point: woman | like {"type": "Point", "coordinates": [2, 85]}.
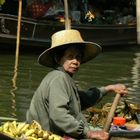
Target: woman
{"type": "Point", "coordinates": [57, 103]}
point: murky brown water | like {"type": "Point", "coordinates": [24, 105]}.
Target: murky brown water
{"type": "Point", "coordinates": [112, 66]}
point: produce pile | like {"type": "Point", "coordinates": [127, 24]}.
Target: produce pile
{"type": "Point", "coordinates": [97, 116]}
{"type": "Point", "coordinates": [24, 131]}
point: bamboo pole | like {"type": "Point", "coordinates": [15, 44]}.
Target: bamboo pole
{"type": "Point", "coordinates": [17, 42]}
{"type": "Point", "coordinates": [16, 59]}
{"type": "Point", "coordinates": [138, 20]}
{"type": "Point", "coordinates": [67, 20]}
{"type": "Point", "coordinates": [18, 34]}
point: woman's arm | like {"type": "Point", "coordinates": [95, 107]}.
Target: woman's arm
{"type": "Point", "coordinates": [93, 95]}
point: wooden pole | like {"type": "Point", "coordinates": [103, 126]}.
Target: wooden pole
{"type": "Point", "coordinates": [18, 34]}
{"type": "Point", "coordinates": [138, 20]}
{"type": "Point", "coordinates": [16, 58]}
{"type": "Point", "coordinates": [111, 113]}
{"type": "Point", "coordinates": [67, 20]}
{"type": "Point", "coordinates": [18, 39]}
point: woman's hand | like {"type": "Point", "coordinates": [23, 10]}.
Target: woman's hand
{"type": "Point", "coordinates": [117, 88]}
{"type": "Point", "coordinates": [99, 135]}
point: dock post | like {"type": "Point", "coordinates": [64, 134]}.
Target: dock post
{"type": "Point", "coordinates": [138, 20]}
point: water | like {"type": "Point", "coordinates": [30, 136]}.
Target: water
{"type": "Point", "coordinates": [120, 65]}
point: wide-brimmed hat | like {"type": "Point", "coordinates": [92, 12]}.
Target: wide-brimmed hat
{"type": "Point", "coordinates": [65, 38]}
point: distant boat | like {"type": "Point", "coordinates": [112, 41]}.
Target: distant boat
{"type": "Point", "coordinates": [38, 32]}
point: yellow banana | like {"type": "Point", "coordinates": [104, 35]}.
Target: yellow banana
{"type": "Point", "coordinates": [1, 128]}
{"type": "Point", "coordinates": [29, 132]}
{"type": "Point", "coordinates": [50, 137]}
{"type": "Point", "coordinates": [24, 129]}
{"type": "Point", "coordinates": [45, 135]}
{"type": "Point", "coordinates": [8, 134]}
{"type": "Point", "coordinates": [40, 133]}
{"type": "Point", "coordinates": [56, 137]}
{"type": "Point", "coordinates": [20, 126]}
{"type": "Point", "coordinates": [13, 128]}
{"type": "Point", "coordinates": [6, 126]}
{"type": "Point", "coordinates": [14, 124]}
{"type": "Point", "coordinates": [36, 130]}
{"type": "Point", "coordinates": [33, 125]}
{"type": "Point", "coordinates": [34, 135]}
{"type": "Point", "coordinates": [36, 124]}
{"type": "Point", "coordinates": [31, 138]}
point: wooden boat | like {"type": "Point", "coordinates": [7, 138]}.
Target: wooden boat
{"type": "Point", "coordinates": [38, 32]}
{"type": "Point", "coordinates": [120, 134]}
{"type": "Point", "coordinates": [125, 135]}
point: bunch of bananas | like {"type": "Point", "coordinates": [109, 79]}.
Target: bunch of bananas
{"type": "Point", "coordinates": [89, 16]}
{"type": "Point", "coordinates": [24, 131]}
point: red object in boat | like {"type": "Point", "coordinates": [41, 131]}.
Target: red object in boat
{"type": "Point", "coordinates": [119, 121]}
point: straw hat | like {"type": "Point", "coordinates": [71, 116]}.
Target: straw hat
{"type": "Point", "coordinates": [64, 38]}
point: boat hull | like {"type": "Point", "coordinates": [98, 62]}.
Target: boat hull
{"type": "Point", "coordinates": [38, 32]}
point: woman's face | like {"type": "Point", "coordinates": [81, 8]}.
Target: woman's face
{"type": "Point", "coordinates": [71, 60]}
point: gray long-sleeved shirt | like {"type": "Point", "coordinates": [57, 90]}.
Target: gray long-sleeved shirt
{"type": "Point", "coordinates": [57, 105]}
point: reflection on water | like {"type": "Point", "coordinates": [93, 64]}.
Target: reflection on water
{"type": "Point", "coordinates": [112, 66]}
{"type": "Point", "coordinates": [135, 71]}
{"type": "Point", "coordinates": [12, 91]}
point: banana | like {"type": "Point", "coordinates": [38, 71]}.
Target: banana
{"type": "Point", "coordinates": [13, 128]}
{"type": "Point", "coordinates": [1, 128]}
{"type": "Point", "coordinates": [29, 132]}
{"type": "Point", "coordinates": [6, 126]}
{"type": "Point", "coordinates": [50, 137]}
{"type": "Point", "coordinates": [25, 128]}
{"type": "Point", "coordinates": [33, 125]}
{"type": "Point", "coordinates": [45, 135]}
{"type": "Point", "coordinates": [56, 137]}
{"type": "Point", "coordinates": [8, 133]}
{"type": "Point", "coordinates": [40, 133]}
{"type": "Point", "coordinates": [14, 123]}
{"type": "Point", "coordinates": [34, 135]}
{"type": "Point", "coordinates": [20, 126]}
{"type": "Point", "coordinates": [36, 124]}
{"type": "Point", "coordinates": [31, 138]}
{"type": "Point", "coordinates": [36, 131]}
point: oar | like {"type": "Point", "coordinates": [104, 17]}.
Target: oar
{"type": "Point", "coordinates": [111, 113]}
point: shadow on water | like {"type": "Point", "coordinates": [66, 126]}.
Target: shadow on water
{"type": "Point", "coordinates": [8, 48]}
{"type": "Point", "coordinates": [11, 48]}
{"type": "Point", "coordinates": [117, 48]}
